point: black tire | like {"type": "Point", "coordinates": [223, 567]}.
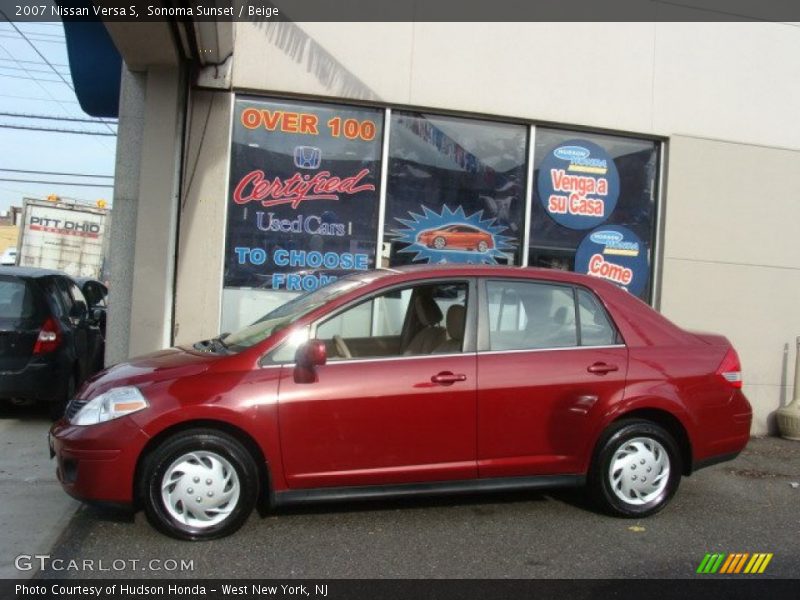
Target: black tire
{"type": "Point", "coordinates": [57, 407]}
{"type": "Point", "coordinates": [614, 439]}
{"type": "Point", "coordinates": [209, 441]}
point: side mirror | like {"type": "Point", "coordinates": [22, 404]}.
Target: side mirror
{"type": "Point", "coordinates": [311, 354]}
{"type": "Point", "coordinates": [308, 356]}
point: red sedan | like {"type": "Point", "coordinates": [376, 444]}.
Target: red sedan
{"type": "Point", "coordinates": [457, 237]}
{"type": "Point", "coordinates": [410, 381]}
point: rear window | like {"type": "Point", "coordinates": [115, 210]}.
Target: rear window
{"type": "Point", "coordinates": [16, 299]}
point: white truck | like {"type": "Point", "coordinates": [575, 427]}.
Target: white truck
{"type": "Point", "coordinates": [67, 237]}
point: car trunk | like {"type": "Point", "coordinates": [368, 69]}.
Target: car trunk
{"type": "Point", "coordinates": [712, 339]}
{"type": "Point", "coordinates": [20, 321]}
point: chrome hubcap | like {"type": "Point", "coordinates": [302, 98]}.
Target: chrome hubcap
{"type": "Point", "coordinates": [200, 489]}
{"type": "Point", "coordinates": [639, 471]}
{"type": "Point", "coordinates": [439, 243]}
{"type": "Point", "coordinates": [482, 247]}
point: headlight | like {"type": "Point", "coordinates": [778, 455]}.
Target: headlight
{"type": "Point", "coordinates": [116, 402]}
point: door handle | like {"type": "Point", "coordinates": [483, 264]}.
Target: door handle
{"type": "Point", "coordinates": [447, 378]}
{"type": "Point", "coordinates": [601, 368]}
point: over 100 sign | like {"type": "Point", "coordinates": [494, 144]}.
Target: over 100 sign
{"type": "Point", "coordinates": [303, 204]}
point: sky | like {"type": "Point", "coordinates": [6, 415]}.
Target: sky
{"type": "Point", "coordinates": [28, 85]}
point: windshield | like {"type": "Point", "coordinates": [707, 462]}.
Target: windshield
{"type": "Point", "coordinates": [288, 313]}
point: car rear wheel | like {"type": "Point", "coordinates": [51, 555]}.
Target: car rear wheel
{"type": "Point", "coordinates": [199, 484]}
{"type": "Point", "coordinates": [636, 469]}
{"type": "Point", "coordinates": [439, 242]}
{"type": "Point", "coordinates": [482, 246]}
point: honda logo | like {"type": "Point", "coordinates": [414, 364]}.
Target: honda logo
{"type": "Point", "coordinates": [307, 157]}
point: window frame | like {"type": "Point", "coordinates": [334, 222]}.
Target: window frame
{"type": "Point", "coordinates": [483, 329]}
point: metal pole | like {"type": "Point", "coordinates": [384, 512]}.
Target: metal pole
{"type": "Point", "coordinates": [797, 373]}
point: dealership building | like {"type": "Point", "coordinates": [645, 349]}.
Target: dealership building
{"type": "Point", "coordinates": [257, 160]}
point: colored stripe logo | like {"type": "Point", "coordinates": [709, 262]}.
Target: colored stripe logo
{"type": "Point", "coordinates": [735, 563]}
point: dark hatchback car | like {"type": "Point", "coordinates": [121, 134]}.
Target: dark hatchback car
{"type": "Point", "coordinates": [410, 381]}
{"type": "Point", "coordinates": [49, 341]}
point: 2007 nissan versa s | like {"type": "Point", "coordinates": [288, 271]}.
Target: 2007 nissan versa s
{"type": "Point", "coordinates": [396, 382]}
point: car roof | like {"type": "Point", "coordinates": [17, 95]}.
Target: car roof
{"type": "Point", "coordinates": [30, 272]}
{"type": "Point", "coordinates": [472, 270]}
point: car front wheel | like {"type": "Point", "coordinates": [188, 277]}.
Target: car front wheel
{"type": "Point", "coordinates": [198, 485]}
{"type": "Point", "coordinates": [636, 469]}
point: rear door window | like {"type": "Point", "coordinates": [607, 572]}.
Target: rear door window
{"type": "Point", "coordinates": [596, 328]}
{"type": "Point", "coordinates": [528, 316]}
{"type": "Point", "coordinates": [16, 299]}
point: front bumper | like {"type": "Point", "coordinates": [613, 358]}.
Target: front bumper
{"type": "Point", "coordinates": [97, 463]}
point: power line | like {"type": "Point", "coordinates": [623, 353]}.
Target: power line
{"type": "Point", "coordinates": [40, 33]}
{"type": "Point", "coordinates": [13, 37]}
{"type": "Point", "coordinates": [33, 62]}
{"type": "Point", "coordinates": [28, 78]}
{"type": "Point", "coordinates": [35, 49]}
{"type": "Point", "coordinates": [54, 118]}
{"type": "Point", "coordinates": [44, 58]}
{"type": "Point", "coordinates": [72, 183]}
{"type": "Point", "coordinates": [57, 173]}
{"type": "Point", "coordinates": [51, 99]}
{"type": "Point", "coordinates": [55, 130]}
{"type": "Point", "coordinates": [26, 69]}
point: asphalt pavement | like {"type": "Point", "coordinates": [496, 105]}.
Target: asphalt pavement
{"type": "Point", "coordinates": [34, 510]}
{"type": "Point", "coordinates": [748, 505]}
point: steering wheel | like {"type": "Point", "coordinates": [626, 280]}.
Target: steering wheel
{"type": "Point", "coordinates": [341, 347]}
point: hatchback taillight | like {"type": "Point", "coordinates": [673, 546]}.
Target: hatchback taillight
{"type": "Point", "coordinates": [730, 369]}
{"type": "Point", "coordinates": [49, 337]}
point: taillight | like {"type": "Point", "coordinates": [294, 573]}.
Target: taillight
{"type": "Point", "coordinates": [49, 337]}
{"type": "Point", "coordinates": [730, 369]}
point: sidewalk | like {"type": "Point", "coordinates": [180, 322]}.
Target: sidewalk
{"type": "Point", "coordinates": [34, 510]}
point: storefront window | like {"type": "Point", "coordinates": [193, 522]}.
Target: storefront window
{"type": "Point", "coordinates": [303, 200]}
{"type": "Point", "coordinates": [455, 191]}
{"type": "Point", "coordinates": [593, 208]}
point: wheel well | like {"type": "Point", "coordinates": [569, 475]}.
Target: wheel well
{"type": "Point", "coordinates": [672, 425]}
{"type": "Point", "coordinates": [239, 434]}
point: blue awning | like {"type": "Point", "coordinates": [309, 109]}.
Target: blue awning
{"type": "Point", "coordinates": [94, 62]}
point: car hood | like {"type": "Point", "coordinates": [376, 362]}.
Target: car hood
{"type": "Point", "coordinates": [143, 371]}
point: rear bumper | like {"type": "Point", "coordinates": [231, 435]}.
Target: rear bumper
{"type": "Point", "coordinates": [731, 433]}
{"type": "Point", "coordinates": [39, 381]}
{"type": "Point", "coordinates": [714, 460]}
{"type": "Point", "coordinates": [97, 463]}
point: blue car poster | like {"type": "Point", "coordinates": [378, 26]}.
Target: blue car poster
{"type": "Point", "coordinates": [450, 236]}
